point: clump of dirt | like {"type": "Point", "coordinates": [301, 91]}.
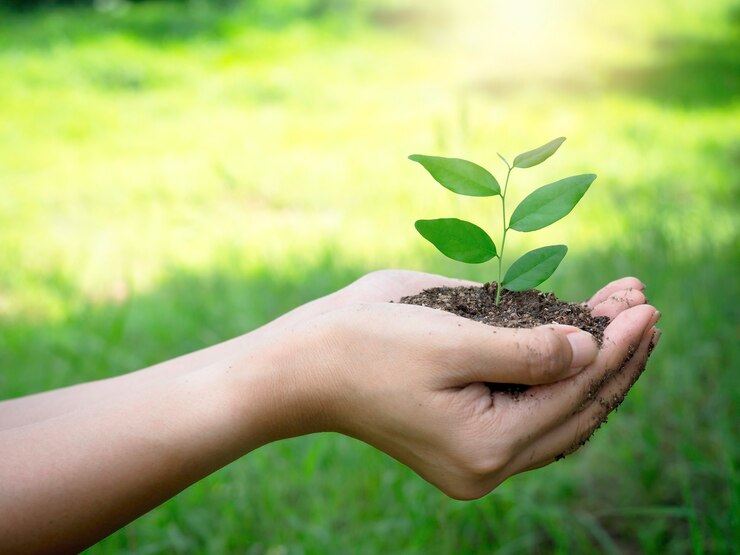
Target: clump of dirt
{"type": "Point", "coordinates": [516, 309]}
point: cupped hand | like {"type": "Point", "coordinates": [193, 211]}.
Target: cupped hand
{"type": "Point", "coordinates": [412, 382]}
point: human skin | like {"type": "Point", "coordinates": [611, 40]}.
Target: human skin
{"type": "Point", "coordinates": [80, 462]}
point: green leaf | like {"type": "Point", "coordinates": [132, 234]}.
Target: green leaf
{"type": "Point", "coordinates": [458, 239]}
{"type": "Point", "coordinates": [505, 161]}
{"type": "Point", "coordinates": [550, 203]}
{"type": "Point", "coordinates": [538, 155]}
{"type": "Point", "coordinates": [459, 176]}
{"type": "Point", "coordinates": [534, 267]}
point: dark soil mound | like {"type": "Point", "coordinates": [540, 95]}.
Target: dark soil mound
{"type": "Point", "coordinates": [522, 309]}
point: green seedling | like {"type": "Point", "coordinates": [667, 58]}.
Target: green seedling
{"type": "Point", "coordinates": [466, 242]}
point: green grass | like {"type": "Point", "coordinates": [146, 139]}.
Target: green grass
{"type": "Point", "coordinates": [172, 175]}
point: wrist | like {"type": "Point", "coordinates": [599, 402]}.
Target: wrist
{"type": "Point", "coordinates": [277, 388]}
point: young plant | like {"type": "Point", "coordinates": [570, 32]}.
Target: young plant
{"type": "Point", "coordinates": [466, 242]}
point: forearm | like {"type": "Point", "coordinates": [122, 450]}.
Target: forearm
{"type": "Point", "coordinates": [67, 482]}
{"type": "Point", "coordinates": [49, 404]}
{"type": "Point", "coordinates": [41, 406]}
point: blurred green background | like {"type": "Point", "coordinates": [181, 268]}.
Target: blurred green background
{"type": "Point", "coordinates": [175, 173]}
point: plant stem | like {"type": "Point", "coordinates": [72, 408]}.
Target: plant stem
{"type": "Point", "coordinates": [503, 236]}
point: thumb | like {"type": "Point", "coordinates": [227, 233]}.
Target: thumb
{"type": "Point", "coordinates": [539, 355]}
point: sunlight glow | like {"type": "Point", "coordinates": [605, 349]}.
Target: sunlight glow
{"type": "Point", "coordinates": [523, 38]}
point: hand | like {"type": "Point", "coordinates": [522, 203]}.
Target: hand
{"type": "Point", "coordinates": [409, 380]}
{"type": "Point", "coordinates": [378, 286]}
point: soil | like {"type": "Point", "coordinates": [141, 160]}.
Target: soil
{"type": "Point", "coordinates": [522, 309]}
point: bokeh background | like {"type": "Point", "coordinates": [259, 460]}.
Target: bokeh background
{"type": "Point", "coordinates": [175, 173]}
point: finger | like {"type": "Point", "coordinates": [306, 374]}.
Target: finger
{"type": "Point", "coordinates": [509, 355]}
{"type": "Point", "coordinates": [613, 287]}
{"type": "Point", "coordinates": [576, 431]}
{"type": "Point", "coordinates": [617, 302]}
{"type": "Point", "coordinates": [385, 285]}
{"type": "Point", "coordinates": [547, 406]}
{"type": "Point", "coordinates": [620, 343]}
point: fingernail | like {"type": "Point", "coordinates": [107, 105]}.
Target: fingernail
{"type": "Point", "coordinates": [655, 318]}
{"type": "Point", "coordinates": [584, 348]}
{"type": "Point", "coordinates": [656, 336]}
